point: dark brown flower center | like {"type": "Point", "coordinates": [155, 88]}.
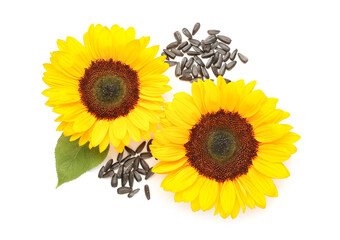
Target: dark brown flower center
{"type": "Point", "coordinates": [109, 89]}
{"type": "Point", "coordinates": [221, 146]}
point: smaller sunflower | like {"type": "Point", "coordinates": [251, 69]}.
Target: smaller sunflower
{"type": "Point", "coordinates": [108, 89]}
{"type": "Point", "coordinates": [222, 146]}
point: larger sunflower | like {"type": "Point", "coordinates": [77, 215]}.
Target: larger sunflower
{"type": "Point", "coordinates": [222, 146]}
{"type": "Point", "coordinates": [108, 89]}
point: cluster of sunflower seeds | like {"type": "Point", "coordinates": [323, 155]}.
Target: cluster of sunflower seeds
{"type": "Point", "coordinates": [128, 169]}
{"type": "Point", "coordinates": [214, 48]}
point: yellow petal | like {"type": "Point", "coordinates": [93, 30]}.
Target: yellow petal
{"type": "Point", "coordinates": [263, 183]}
{"type": "Point", "coordinates": [228, 196]}
{"type": "Point", "coordinates": [271, 132]}
{"type": "Point", "coordinates": [253, 192]}
{"type": "Point", "coordinates": [165, 167]}
{"type": "Point", "coordinates": [272, 170]}
{"type": "Point", "coordinates": [273, 153]}
{"type": "Point", "coordinates": [99, 132]}
{"type": "Point", "coordinates": [105, 143]}
{"type": "Point", "coordinates": [251, 103]}
{"type": "Point", "coordinates": [168, 153]}
{"type": "Point", "coordinates": [191, 193]}
{"type": "Point", "coordinates": [119, 127]}
{"type": "Point", "coordinates": [83, 122]}
{"type": "Point", "coordinates": [184, 179]}
{"type": "Point", "coordinates": [208, 194]}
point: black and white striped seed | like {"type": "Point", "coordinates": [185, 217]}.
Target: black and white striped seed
{"type": "Point", "coordinates": [124, 179]}
{"type": "Point", "coordinates": [183, 62]}
{"type": "Point", "coordinates": [199, 61]}
{"type": "Point", "coordinates": [128, 168]}
{"type": "Point", "coordinates": [182, 45]}
{"type": "Point", "coordinates": [125, 159]}
{"type": "Point", "coordinates": [185, 77]}
{"type": "Point", "coordinates": [213, 32]}
{"type": "Point", "coordinates": [128, 162]}
{"type": "Point", "coordinates": [194, 71]}
{"type": "Point", "coordinates": [131, 178]}
{"type": "Point", "coordinates": [140, 147]}
{"type": "Point", "coordinates": [209, 62]}
{"type": "Point", "coordinates": [171, 63]}
{"type": "Point", "coordinates": [177, 52]}
{"type": "Point", "coordinates": [120, 171]}
{"type": "Point", "coordinates": [214, 70]}
{"type": "Point", "coordinates": [141, 171]}
{"type": "Point", "coordinates": [178, 71]}
{"type": "Point", "coordinates": [231, 65]}
{"type": "Point", "coordinates": [221, 51]}
{"type": "Point", "coordinates": [170, 54]}
{"type": "Point", "coordinates": [227, 80]}
{"type": "Point", "coordinates": [108, 165]}
{"type": "Point", "coordinates": [133, 193]}
{"type": "Point", "coordinates": [223, 69]}
{"type": "Point", "coordinates": [218, 64]}
{"type": "Point", "coordinates": [186, 48]}
{"type": "Point", "coordinates": [172, 45]}
{"type": "Point", "coordinates": [224, 46]}
{"type": "Point", "coordinates": [233, 55]}
{"type": "Point", "coordinates": [144, 164]}
{"type": "Point", "coordinates": [178, 36]}
{"type": "Point", "coordinates": [197, 49]}
{"type": "Point", "coordinates": [146, 155]}
{"type": "Point", "coordinates": [207, 54]}
{"type": "Point", "coordinates": [124, 190]}
{"type": "Point", "coordinates": [108, 174]}
{"type": "Point", "coordinates": [243, 58]}
{"type": "Point", "coordinates": [101, 172]}
{"type": "Point", "coordinates": [136, 163]}
{"type": "Point", "coordinates": [120, 156]}
{"type": "Point", "coordinates": [129, 150]}
{"type": "Point", "coordinates": [189, 63]}
{"type": "Point", "coordinates": [215, 59]}
{"type": "Point", "coordinates": [224, 39]}
{"type": "Point", "coordinates": [214, 45]}
{"type": "Point", "coordinates": [186, 33]}
{"type": "Point", "coordinates": [205, 72]}
{"type": "Point", "coordinates": [149, 174]}
{"type": "Point", "coordinates": [195, 42]}
{"type": "Point", "coordinates": [196, 28]}
{"type": "Point", "coordinates": [114, 181]}
{"type": "Point", "coordinates": [226, 57]}
{"type": "Point", "coordinates": [137, 176]}
{"type": "Point", "coordinates": [210, 39]}
{"type": "Point", "coordinates": [147, 191]}
{"type": "Point", "coordinates": [115, 166]}
{"type": "Point", "coordinates": [193, 53]}
{"type": "Point", "coordinates": [207, 48]}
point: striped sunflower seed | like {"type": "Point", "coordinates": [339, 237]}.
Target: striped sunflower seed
{"type": "Point", "coordinates": [193, 53]}
{"type": "Point", "coordinates": [137, 176]}
{"type": "Point", "coordinates": [197, 49]}
{"type": "Point", "coordinates": [182, 45]}
{"type": "Point", "coordinates": [131, 178]}
{"type": "Point", "coordinates": [186, 33]}
{"type": "Point", "coordinates": [101, 172]}
{"type": "Point", "coordinates": [219, 62]}
{"type": "Point", "coordinates": [170, 54]}
{"type": "Point", "coordinates": [141, 171]}
{"type": "Point", "coordinates": [223, 69]}
{"type": "Point", "coordinates": [208, 54]}
{"type": "Point", "coordinates": [133, 193]}
{"type": "Point", "coordinates": [149, 174]}
{"type": "Point", "coordinates": [205, 72]}
{"type": "Point", "coordinates": [225, 47]}
{"type": "Point", "coordinates": [186, 48]}
{"type": "Point", "coordinates": [146, 155]}
{"type": "Point", "coordinates": [209, 62]}
{"type": "Point", "coordinates": [185, 78]}
{"type": "Point", "coordinates": [233, 55]}
{"type": "Point", "coordinates": [144, 164]}
{"type": "Point", "coordinates": [147, 191]}
{"type": "Point", "coordinates": [195, 42]}
{"type": "Point", "coordinates": [226, 57]}
{"type": "Point", "coordinates": [178, 71]}
{"type": "Point", "coordinates": [108, 165]}
{"type": "Point", "coordinates": [224, 39]}
{"type": "Point", "coordinates": [140, 147]}
{"type": "Point", "coordinates": [124, 179]}
{"type": "Point", "coordinates": [243, 58]}
{"type": "Point", "coordinates": [114, 181]}
{"type": "Point", "coordinates": [183, 62]}
{"type": "Point", "coordinates": [196, 28]}
{"type": "Point", "coordinates": [120, 156]}
{"type": "Point", "coordinates": [148, 145]}
{"type": "Point", "coordinates": [189, 63]}
{"type": "Point", "coordinates": [213, 32]}
{"type": "Point", "coordinates": [231, 65]}
{"type": "Point", "coordinates": [214, 70]}
{"type": "Point", "coordinates": [172, 45]}
{"type": "Point", "coordinates": [177, 52]}
{"type": "Point", "coordinates": [210, 39]}
{"type": "Point", "coordinates": [199, 61]}
{"type": "Point", "coordinates": [129, 150]}
{"type": "Point", "coordinates": [124, 190]}
{"type": "Point", "coordinates": [194, 71]}
{"type": "Point", "coordinates": [171, 63]}
{"type": "Point", "coordinates": [178, 36]}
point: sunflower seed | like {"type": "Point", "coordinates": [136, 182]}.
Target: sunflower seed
{"type": "Point", "coordinates": [172, 45]}
{"type": "Point", "coordinates": [186, 33]}
{"type": "Point", "coordinates": [177, 52]}
{"type": "Point", "coordinates": [243, 58]}
{"type": "Point", "coordinates": [208, 54]}
{"type": "Point", "coordinates": [214, 70]}
{"type": "Point", "coordinates": [207, 48]}
{"type": "Point", "coordinates": [231, 65]}
{"type": "Point", "coordinates": [182, 45]}
{"type": "Point", "coordinates": [196, 28]}
{"type": "Point", "coordinates": [221, 51]}
{"type": "Point", "coordinates": [193, 53]}
{"type": "Point", "coordinates": [178, 36]}
{"type": "Point", "coordinates": [194, 80]}
{"type": "Point", "coordinates": [186, 48]}
{"type": "Point", "coordinates": [149, 174]}
{"type": "Point", "coordinates": [125, 159]}
{"type": "Point", "coordinates": [129, 150]}
{"type": "Point", "coordinates": [199, 61]}
{"type": "Point", "coordinates": [128, 168]}
{"type": "Point", "coordinates": [194, 71]}
{"type": "Point", "coordinates": [136, 163]}
{"type": "Point", "coordinates": [205, 72]}
{"type": "Point", "coordinates": [233, 55]}
{"type": "Point", "coordinates": [227, 80]}
{"type": "Point", "coordinates": [225, 47]}
{"type": "Point", "coordinates": [210, 39]}
{"type": "Point", "coordinates": [226, 57]}
{"type": "Point", "coordinates": [197, 49]}
{"type": "Point", "coordinates": [140, 147]}
{"type": "Point", "coordinates": [141, 171]}
{"type": "Point", "coordinates": [163, 54]}
{"type": "Point", "coordinates": [133, 193]}
{"type": "Point", "coordinates": [120, 156]}
{"type": "Point", "coordinates": [124, 179]}
{"type": "Point", "coordinates": [213, 32]}
{"type": "Point", "coordinates": [215, 57]}
{"type": "Point", "coordinates": [114, 181]}
{"type": "Point", "coordinates": [145, 155]}
{"type": "Point", "coordinates": [200, 74]}
{"type": "Point", "coordinates": [148, 145]}
{"type": "Point", "coordinates": [124, 190]}
{"type": "Point", "coordinates": [195, 42]}
{"type": "Point", "coordinates": [183, 62]}
{"type": "Point", "coordinates": [120, 171]}
{"type": "Point", "coordinates": [144, 164]}
{"type": "Point", "coordinates": [224, 39]}
{"type": "Point", "coordinates": [101, 172]}
{"type": "Point", "coordinates": [169, 53]}
{"type": "Point", "coordinates": [223, 69]}
{"type": "Point", "coordinates": [137, 176]}
{"type": "Point", "coordinates": [186, 71]}
{"type": "Point", "coordinates": [147, 191]}
{"type": "Point", "coordinates": [185, 77]}
{"type": "Point", "coordinates": [178, 71]}
{"type": "Point", "coordinates": [128, 162]}
{"type": "Point", "coordinates": [214, 46]}
{"type": "Point", "coordinates": [203, 45]}
{"type": "Point", "coordinates": [171, 63]}
{"type": "Point", "coordinates": [114, 166]}
{"type": "Point", "coordinates": [209, 62]}
{"type": "Point", "coordinates": [189, 63]}
{"type": "Point", "coordinates": [108, 165]}
{"type": "Point", "coordinates": [219, 62]}
{"type": "Point", "coordinates": [131, 178]}
{"type": "Point", "coordinates": [108, 174]}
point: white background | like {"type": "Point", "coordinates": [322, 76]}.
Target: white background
{"type": "Point", "coordinates": [293, 50]}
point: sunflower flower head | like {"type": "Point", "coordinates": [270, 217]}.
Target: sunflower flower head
{"type": "Point", "coordinates": [222, 146]}
{"type": "Point", "coordinates": [108, 89]}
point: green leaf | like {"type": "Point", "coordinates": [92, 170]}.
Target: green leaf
{"type": "Point", "coordinates": [73, 160]}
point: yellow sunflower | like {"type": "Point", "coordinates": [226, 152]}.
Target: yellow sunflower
{"type": "Point", "coordinates": [107, 90]}
{"type": "Point", "coordinates": [222, 146]}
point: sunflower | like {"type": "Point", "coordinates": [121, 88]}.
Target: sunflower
{"type": "Point", "coordinates": [222, 146]}
{"type": "Point", "coordinates": [107, 90]}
